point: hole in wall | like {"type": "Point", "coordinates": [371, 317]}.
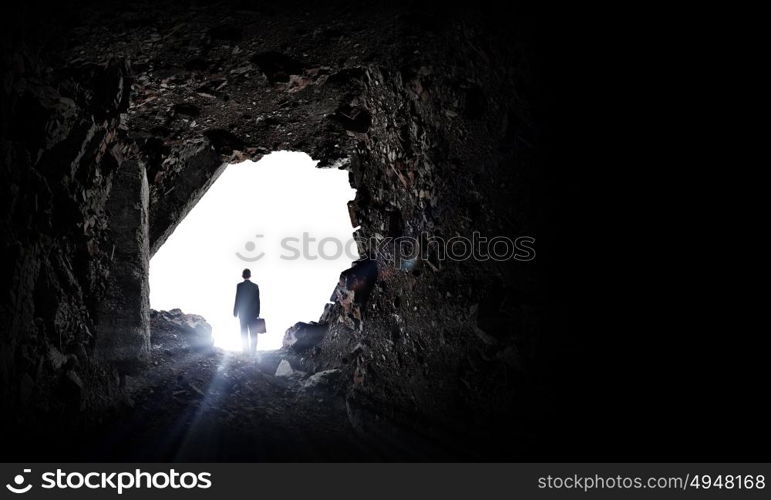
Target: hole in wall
{"type": "Point", "coordinates": [281, 217]}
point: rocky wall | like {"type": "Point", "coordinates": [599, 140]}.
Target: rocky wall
{"type": "Point", "coordinates": [60, 149]}
{"type": "Point", "coordinates": [123, 314]}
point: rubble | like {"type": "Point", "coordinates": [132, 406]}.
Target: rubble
{"type": "Point", "coordinates": [302, 335]}
{"type": "Point", "coordinates": [284, 369]}
{"type": "Point", "coordinates": [189, 330]}
{"type": "Point", "coordinates": [323, 378]}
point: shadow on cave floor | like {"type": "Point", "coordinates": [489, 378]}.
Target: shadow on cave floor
{"type": "Point", "coordinates": [210, 405]}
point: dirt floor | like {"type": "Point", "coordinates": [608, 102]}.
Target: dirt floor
{"type": "Point", "coordinates": [196, 403]}
{"type": "Point", "coordinates": [212, 405]}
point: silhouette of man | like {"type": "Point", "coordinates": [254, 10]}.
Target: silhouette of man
{"type": "Point", "coordinates": [247, 308]}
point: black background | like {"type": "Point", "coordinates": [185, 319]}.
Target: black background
{"type": "Point", "coordinates": [668, 364]}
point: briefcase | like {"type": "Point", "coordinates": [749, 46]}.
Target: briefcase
{"type": "Point", "coordinates": [260, 325]}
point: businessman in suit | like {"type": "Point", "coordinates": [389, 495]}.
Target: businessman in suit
{"type": "Point", "coordinates": [247, 309]}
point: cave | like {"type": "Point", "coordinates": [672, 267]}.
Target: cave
{"type": "Point", "coordinates": [117, 119]}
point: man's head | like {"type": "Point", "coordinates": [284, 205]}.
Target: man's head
{"type": "Point", "coordinates": [246, 274]}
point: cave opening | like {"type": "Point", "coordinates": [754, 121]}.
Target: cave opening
{"type": "Point", "coordinates": [280, 217]}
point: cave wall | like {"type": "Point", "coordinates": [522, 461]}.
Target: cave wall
{"type": "Point", "coordinates": [430, 110]}
{"type": "Point", "coordinates": [444, 347]}
{"type": "Point", "coordinates": [123, 314]}
{"type": "Point", "coordinates": [61, 148]}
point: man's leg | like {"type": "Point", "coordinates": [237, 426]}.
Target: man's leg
{"type": "Point", "coordinates": [253, 333]}
{"type": "Point", "coordinates": [245, 335]}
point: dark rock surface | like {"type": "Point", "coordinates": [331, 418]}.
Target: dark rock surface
{"type": "Point", "coordinates": [302, 336]}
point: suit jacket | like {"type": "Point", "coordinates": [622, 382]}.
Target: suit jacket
{"type": "Point", "coordinates": [247, 300]}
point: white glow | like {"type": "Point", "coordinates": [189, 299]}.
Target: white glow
{"type": "Point", "coordinates": [282, 195]}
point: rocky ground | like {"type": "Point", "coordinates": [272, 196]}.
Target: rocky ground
{"type": "Point", "coordinates": [196, 402]}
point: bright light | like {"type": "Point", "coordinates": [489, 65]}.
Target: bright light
{"type": "Point", "coordinates": [281, 196]}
